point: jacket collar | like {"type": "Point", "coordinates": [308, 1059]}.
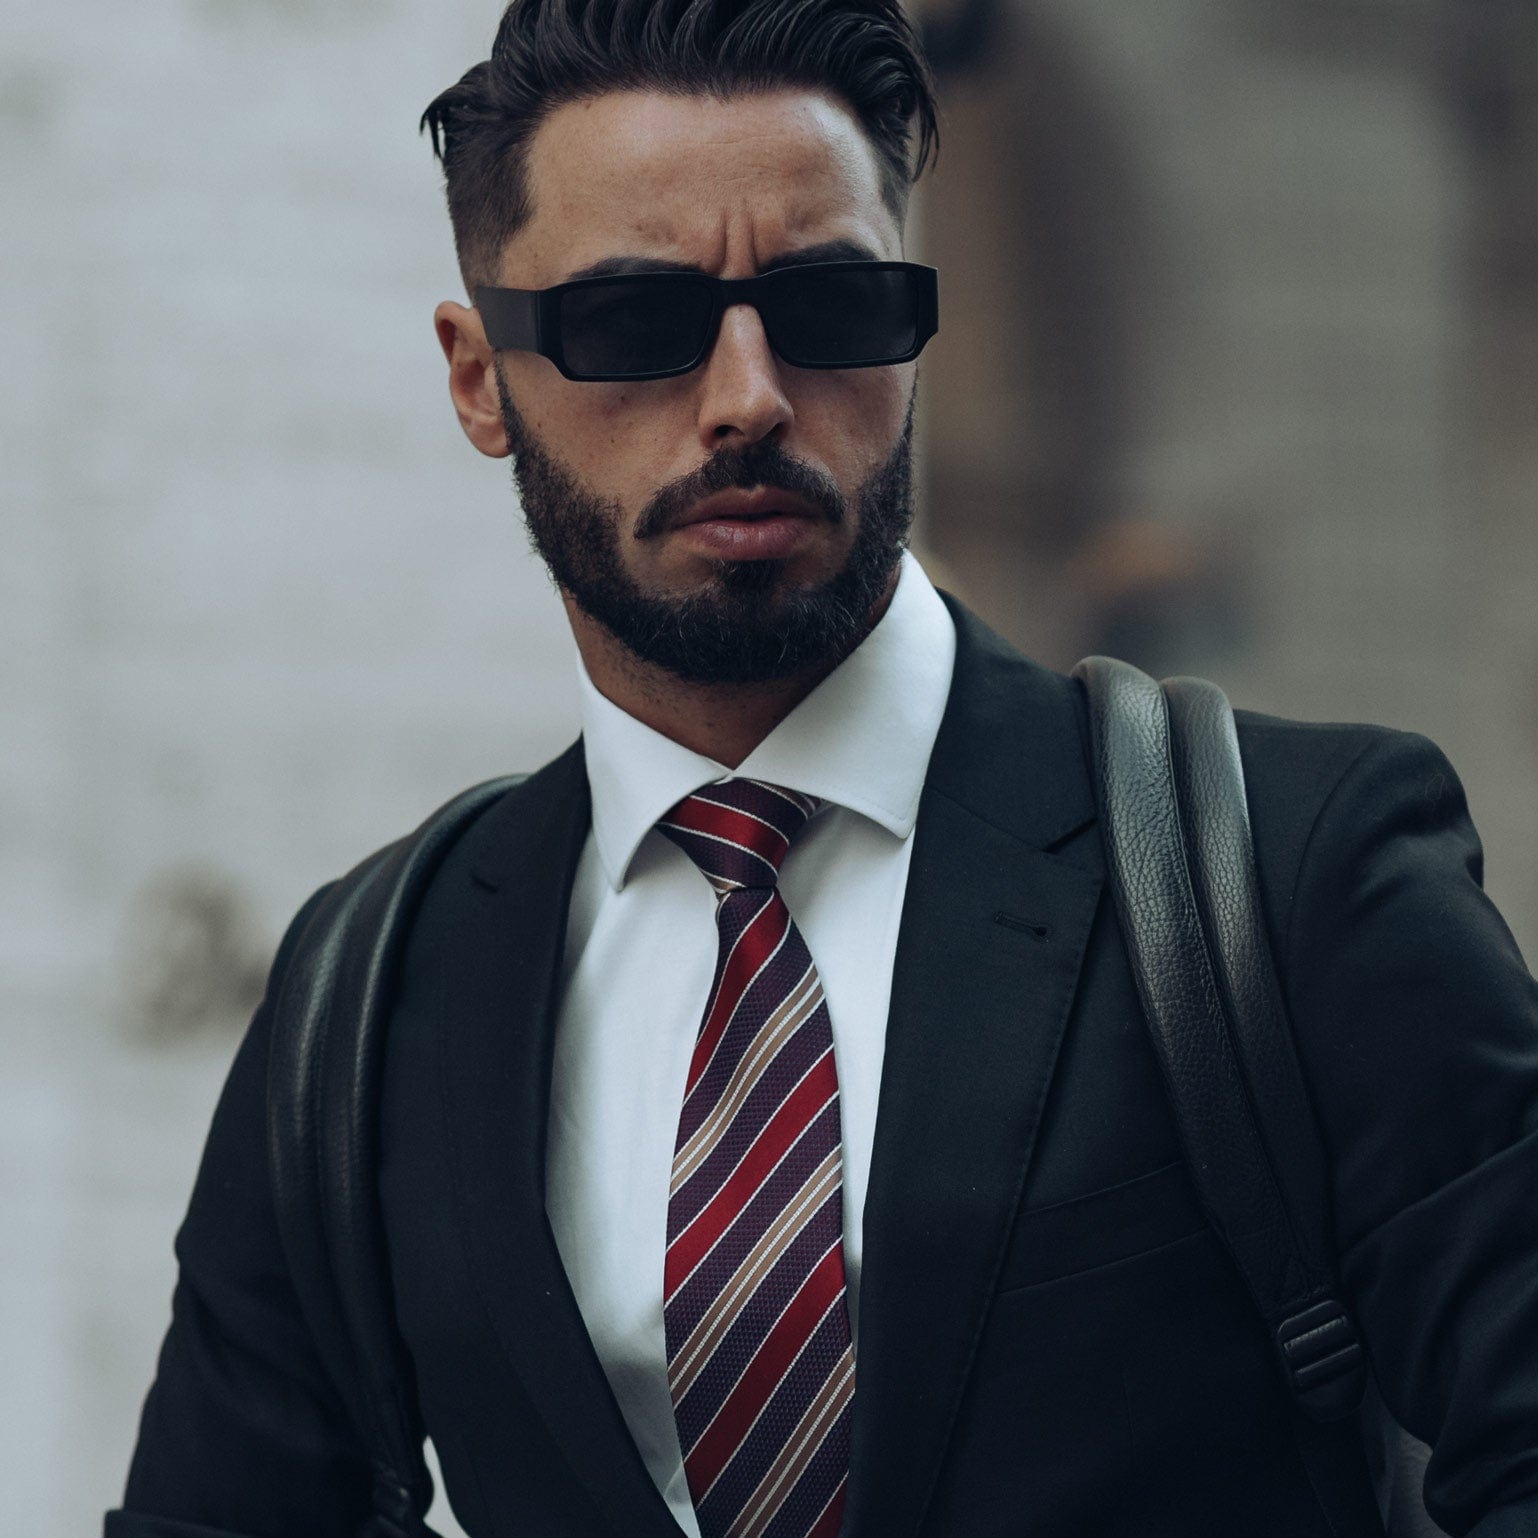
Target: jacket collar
{"type": "Point", "coordinates": [1013, 744]}
{"type": "Point", "coordinates": [1009, 723]}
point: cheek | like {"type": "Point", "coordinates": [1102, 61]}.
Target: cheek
{"type": "Point", "coordinates": [623, 443]}
{"type": "Point", "coordinates": [864, 402]}
{"type": "Point", "coordinates": [600, 431]}
{"type": "Point", "coordinates": [852, 418]}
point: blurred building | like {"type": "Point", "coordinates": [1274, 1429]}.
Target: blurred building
{"type": "Point", "coordinates": [1239, 359]}
{"type": "Point", "coordinates": [1236, 377]}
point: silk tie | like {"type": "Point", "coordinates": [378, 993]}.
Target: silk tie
{"type": "Point", "coordinates": [760, 1361]}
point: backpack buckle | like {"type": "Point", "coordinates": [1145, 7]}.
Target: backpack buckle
{"type": "Point", "coordinates": [1323, 1361]}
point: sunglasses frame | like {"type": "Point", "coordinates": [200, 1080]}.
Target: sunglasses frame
{"type": "Point", "coordinates": [529, 319]}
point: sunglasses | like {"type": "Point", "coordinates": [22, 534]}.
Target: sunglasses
{"type": "Point", "coordinates": [652, 325]}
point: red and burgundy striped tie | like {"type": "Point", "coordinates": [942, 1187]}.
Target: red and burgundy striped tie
{"type": "Point", "coordinates": [760, 1362]}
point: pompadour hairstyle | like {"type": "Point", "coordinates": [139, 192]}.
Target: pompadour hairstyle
{"type": "Point", "coordinates": [550, 52]}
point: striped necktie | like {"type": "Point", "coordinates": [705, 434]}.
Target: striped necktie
{"type": "Point", "coordinates": [760, 1361]}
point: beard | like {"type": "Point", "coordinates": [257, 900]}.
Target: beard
{"type": "Point", "coordinates": [744, 625]}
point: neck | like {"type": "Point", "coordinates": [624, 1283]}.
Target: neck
{"type": "Point", "coordinates": [721, 721]}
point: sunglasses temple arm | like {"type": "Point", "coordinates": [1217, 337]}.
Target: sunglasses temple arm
{"type": "Point", "coordinates": [511, 317]}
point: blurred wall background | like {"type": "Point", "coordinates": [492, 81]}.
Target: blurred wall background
{"type": "Point", "coordinates": [1238, 376]}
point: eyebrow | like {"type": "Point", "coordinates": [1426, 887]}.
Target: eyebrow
{"type": "Point", "coordinates": [824, 251]}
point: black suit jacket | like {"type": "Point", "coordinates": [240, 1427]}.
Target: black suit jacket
{"type": "Point", "coordinates": [1051, 1342]}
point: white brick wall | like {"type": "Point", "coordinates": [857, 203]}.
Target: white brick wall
{"type": "Point", "coordinates": [262, 604]}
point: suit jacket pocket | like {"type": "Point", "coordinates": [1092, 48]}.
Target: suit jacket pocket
{"type": "Point", "coordinates": [1101, 1227]}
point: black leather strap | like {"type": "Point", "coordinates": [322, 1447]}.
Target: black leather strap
{"type": "Point", "coordinates": [1170, 788]}
{"type": "Point", "coordinates": [324, 1085]}
{"type": "Point", "coordinates": [1182, 863]}
{"type": "Point", "coordinates": [1317, 1339]}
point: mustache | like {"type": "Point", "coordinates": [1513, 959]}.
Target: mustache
{"type": "Point", "coordinates": [760, 464]}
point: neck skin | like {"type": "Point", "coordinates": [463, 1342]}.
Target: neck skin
{"type": "Point", "coordinates": [721, 721]}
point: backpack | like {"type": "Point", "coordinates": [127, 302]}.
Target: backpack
{"type": "Point", "coordinates": [1170, 790]}
{"type": "Point", "coordinates": [323, 1096]}
{"type": "Point", "coordinates": [1169, 786]}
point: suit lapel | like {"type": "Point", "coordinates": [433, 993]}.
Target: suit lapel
{"type": "Point", "coordinates": [989, 950]}
{"type": "Point", "coordinates": [498, 992]}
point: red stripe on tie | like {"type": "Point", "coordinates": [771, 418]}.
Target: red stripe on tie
{"type": "Point", "coordinates": [763, 839]}
{"type": "Point", "coordinates": [796, 1112]}
{"type": "Point", "coordinates": [756, 945]}
{"type": "Point", "coordinates": [832, 1517]}
{"type": "Point", "coordinates": [757, 1384]}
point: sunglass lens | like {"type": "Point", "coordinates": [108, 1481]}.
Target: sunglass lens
{"type": "Point", "coordinates": [843, 317]}
{"type": "Point", "coordinates": [633, 328]}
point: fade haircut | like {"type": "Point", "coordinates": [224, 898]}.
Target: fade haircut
{"type": "Point", "coordinates": [551, 52]}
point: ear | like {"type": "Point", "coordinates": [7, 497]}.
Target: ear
{"type": "Point", "coordinates": [472, 378]}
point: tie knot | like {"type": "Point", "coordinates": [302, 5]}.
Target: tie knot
{"type": "Point", "coordinates": [738, 831]}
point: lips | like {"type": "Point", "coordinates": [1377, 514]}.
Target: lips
{"type": "Point", "coordinates": [748, 507]}
{"type": "Point", "coordinates": [765, 524]}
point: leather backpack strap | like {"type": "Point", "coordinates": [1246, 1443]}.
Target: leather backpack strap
{"type": "Point", "coordinates": [323, 1094]}
{"type": "Point", "coordinates": [1171, 790]}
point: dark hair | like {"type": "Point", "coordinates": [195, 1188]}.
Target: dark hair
{"type": "Point", "coordinates": [550, 52]}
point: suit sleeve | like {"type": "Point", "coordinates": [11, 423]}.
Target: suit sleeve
{"type": "Point", "coordinates": [241, 1432]}
{"type": "Point", "coordinates": [1417, 1022]}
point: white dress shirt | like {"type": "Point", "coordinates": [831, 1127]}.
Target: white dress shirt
{"type": "Point", "coordinates": [641, 952]}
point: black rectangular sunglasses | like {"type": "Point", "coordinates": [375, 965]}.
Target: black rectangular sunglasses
{"type": "Point", "coordinates": [651, 325]}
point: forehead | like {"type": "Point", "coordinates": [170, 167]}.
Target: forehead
{"type": "Point", "coordinates": [712, 181]}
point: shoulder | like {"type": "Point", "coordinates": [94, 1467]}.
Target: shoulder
{"type": "Point", "coordinates": [467, 821]}
{"type": "Point", "coordinates": [1305, 779]}
{"type": "Point", "coordinates": [1290, 761]}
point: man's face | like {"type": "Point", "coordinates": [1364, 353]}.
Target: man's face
{"type": "Point", "coordinates": [610, 473]}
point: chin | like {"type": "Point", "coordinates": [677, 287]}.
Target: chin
{"type": "Point", "coordinates": [755, 576]}
{"type": "Point", "coordinates": [803, 570]}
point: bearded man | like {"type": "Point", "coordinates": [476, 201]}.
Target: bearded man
{"type": "Point", "coordinates": [771, 1144]}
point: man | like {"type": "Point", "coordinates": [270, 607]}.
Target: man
{"type": "Point", "coordinates": [771, 1142]}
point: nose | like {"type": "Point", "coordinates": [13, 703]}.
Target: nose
{"type": "Point", "coordinates": [742, 394]}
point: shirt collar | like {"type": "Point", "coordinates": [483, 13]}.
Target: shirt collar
{"type": "Point", "coordinates": [861, 738]}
